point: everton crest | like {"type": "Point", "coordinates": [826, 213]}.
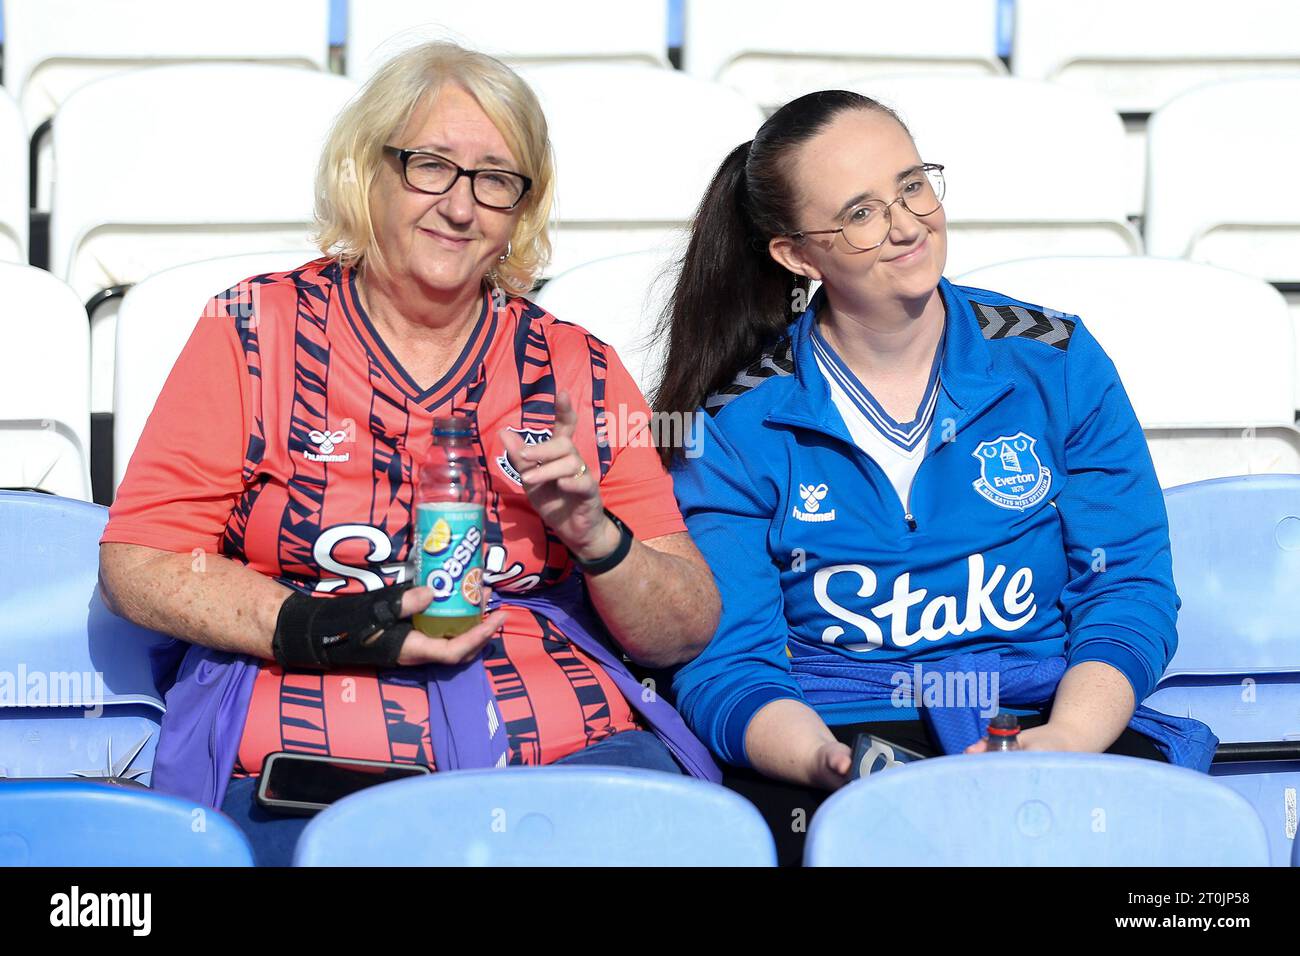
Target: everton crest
{"type": "Point", "coordinates": [1011, 476]}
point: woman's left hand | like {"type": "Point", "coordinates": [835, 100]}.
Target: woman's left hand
{"type": "Point", "coordinates": [1043, 737]}
{"type": "Point", "coordinates": [561, 487]}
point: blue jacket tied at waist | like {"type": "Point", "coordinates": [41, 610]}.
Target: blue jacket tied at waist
{"type": "Point", "coordinates": [960, 721]}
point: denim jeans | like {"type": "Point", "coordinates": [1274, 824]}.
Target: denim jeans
{"type": "Point", "coordinates": [274, 836]}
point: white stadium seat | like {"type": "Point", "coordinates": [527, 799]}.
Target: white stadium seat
{"type": "Point", "coordinates": [635, 149]}
{"type": "Point", "coordinates": [175, 164]}
{"type": "Point", "coordinates": [155, 321]}
{"type": "Point", "coordinates": [52, 47]}
{"type": "Point", "coordinates": [773, 52]}
{"type": "Point", "coordinates": [1207, 356]}
{"type": "Point", "coordinates": [13, 182]}
{"type": "Point", "coordinates": [1204, 201]}
{"type": "Point", "coordinates": [1222, 184]}
{"type": "Point", "coordinates": [1139, 54]}
{"type": "Point", "coordinates": [618, 300]}
{"type": "Point", "coordinates": [517, 31]}
{"type": "Point", "coordinates": [44, 384]}
{"type": "Point", "coordinates": [1032, 169]}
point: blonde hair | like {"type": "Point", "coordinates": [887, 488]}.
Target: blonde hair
{"type": "Point", "coordinates": [354, 153]}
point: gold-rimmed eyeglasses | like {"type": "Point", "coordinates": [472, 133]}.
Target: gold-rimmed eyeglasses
{"type": "Point", "coordinates": [866, 226]}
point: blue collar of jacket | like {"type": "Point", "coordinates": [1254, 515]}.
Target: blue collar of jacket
{"type": "Point", "coordinates": [968, 379]}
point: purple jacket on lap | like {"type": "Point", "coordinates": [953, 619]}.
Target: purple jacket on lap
{"type": "Point", "coordinates": [208, 704]}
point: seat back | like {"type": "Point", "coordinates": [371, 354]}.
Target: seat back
{"type": "Point", "coordinates": [254, 136]}
{"type": "Point", "coordinates": [540, 816]}
{"type": "Point", "coordinates": [1255, 230]}
{"type": "Point", "coordinates": [53, 47]}
{"type": "Point", "coordinates": [998, 209]}
{"type": "Point", "coordinates": [613, 194]}
{"type": "Point", "coordinates": [66, 824]}
{"type": "Point", "coordinates": [155, 321]}
{"type": "Point", "coordinates": [1128, 53]}
{"type": "Point", "coordinates": [518, 31]}
{"type": "Point", "coordinates": [618, 300]}
{"type": "Point", "coordinates": [66, 657]}
{"type": "Point", "coordinates": [754, 46]}
{"type": "Point", "coordinates": [44, 384]}
{"type": "Point", "coordinates": [1251, 226]}
{"type": "Point", "coordinates": [1162, 323]}
{"type": "Point", "coordinates": [1236, 551]}
{"type": "Point", "coordinates": [1270, 787]}
{"type": "Point", "coordinates": [1036, 809]}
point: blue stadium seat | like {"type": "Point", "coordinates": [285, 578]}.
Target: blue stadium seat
{"type": "Point", "coordinates": [1036, 809]}
{"type": "Point", "coordinates": [1006, 26]}
{"type": "Point", "coordinates": [676, 24]}
{"type": "Point", "coordinates": [63, 652]}
{"type": "Point", "coordinates": [338, 22]}
{"type": "Point", "coordinates": [76, 823]}
{"type": "Point", "coordinates": [1236, 549]}
{"type": "Point", "coordinates": [540, 816]}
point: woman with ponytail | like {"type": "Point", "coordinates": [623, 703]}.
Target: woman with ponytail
{"type": "Point", "coordinates": [904, 485]}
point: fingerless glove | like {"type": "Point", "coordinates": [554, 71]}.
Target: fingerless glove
{"type": "Point", "coordinates": [345, 631]}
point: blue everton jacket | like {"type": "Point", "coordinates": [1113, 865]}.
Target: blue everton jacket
{"type": "Point", "coordinates": [1035, 527]}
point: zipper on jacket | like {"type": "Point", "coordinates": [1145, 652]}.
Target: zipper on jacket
{"type": "Point", "coordinates": [908, 518]}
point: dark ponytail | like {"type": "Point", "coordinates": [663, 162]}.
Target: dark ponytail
{"type": "Point", "coordinates": [732, 298]}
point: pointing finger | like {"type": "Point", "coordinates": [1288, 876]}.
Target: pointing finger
{"type": "Point", "coordinates": [566, 417]}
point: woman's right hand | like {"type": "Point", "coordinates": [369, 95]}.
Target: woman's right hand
{"type": "Point", "coordinates": [831, 762]}
{"type": "Point", "coordinates": [420, 648]}
{"type": "Point", "coordinates": [786, 739]}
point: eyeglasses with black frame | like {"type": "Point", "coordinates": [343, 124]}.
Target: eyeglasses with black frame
{"type": "Point", "coordinates": [435, 175]}
{"type": "Point", "coordinates": [866, 226]}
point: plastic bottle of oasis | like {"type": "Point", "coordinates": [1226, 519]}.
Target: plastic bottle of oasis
{"type": "Point", "coordinates": [447, 551]}
{"type": "Point", "coordinates": [1004, 733]}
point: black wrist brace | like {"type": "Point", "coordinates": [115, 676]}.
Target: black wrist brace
{"type": "Point", "coordinates": [349, 630]}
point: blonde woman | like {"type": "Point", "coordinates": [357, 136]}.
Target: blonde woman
{"type": "Point", "coordinates": [433, 196]}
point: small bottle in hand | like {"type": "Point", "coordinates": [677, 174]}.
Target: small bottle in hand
{"type": "Point", "coordinates": [1004, 733]}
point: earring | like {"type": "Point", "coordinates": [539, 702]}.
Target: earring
{"type": "Point", "coordinates": [506, 255]}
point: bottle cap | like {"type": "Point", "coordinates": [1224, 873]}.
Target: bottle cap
{"type": "Point", "coordinates": [452, 427]}
{"type": "Point", "coordinates": [1004, 725]}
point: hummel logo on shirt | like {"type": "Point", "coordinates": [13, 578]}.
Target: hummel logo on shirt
{"type": "Point", "coordinates": [812, 496]}
{"type": "Point", "coordinates": [326, 442]}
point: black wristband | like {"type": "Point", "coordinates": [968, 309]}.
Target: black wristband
{"type": "Point", "coordinates": [615, 557]}
{"type": "Point", "coordinates": [350, 630]}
